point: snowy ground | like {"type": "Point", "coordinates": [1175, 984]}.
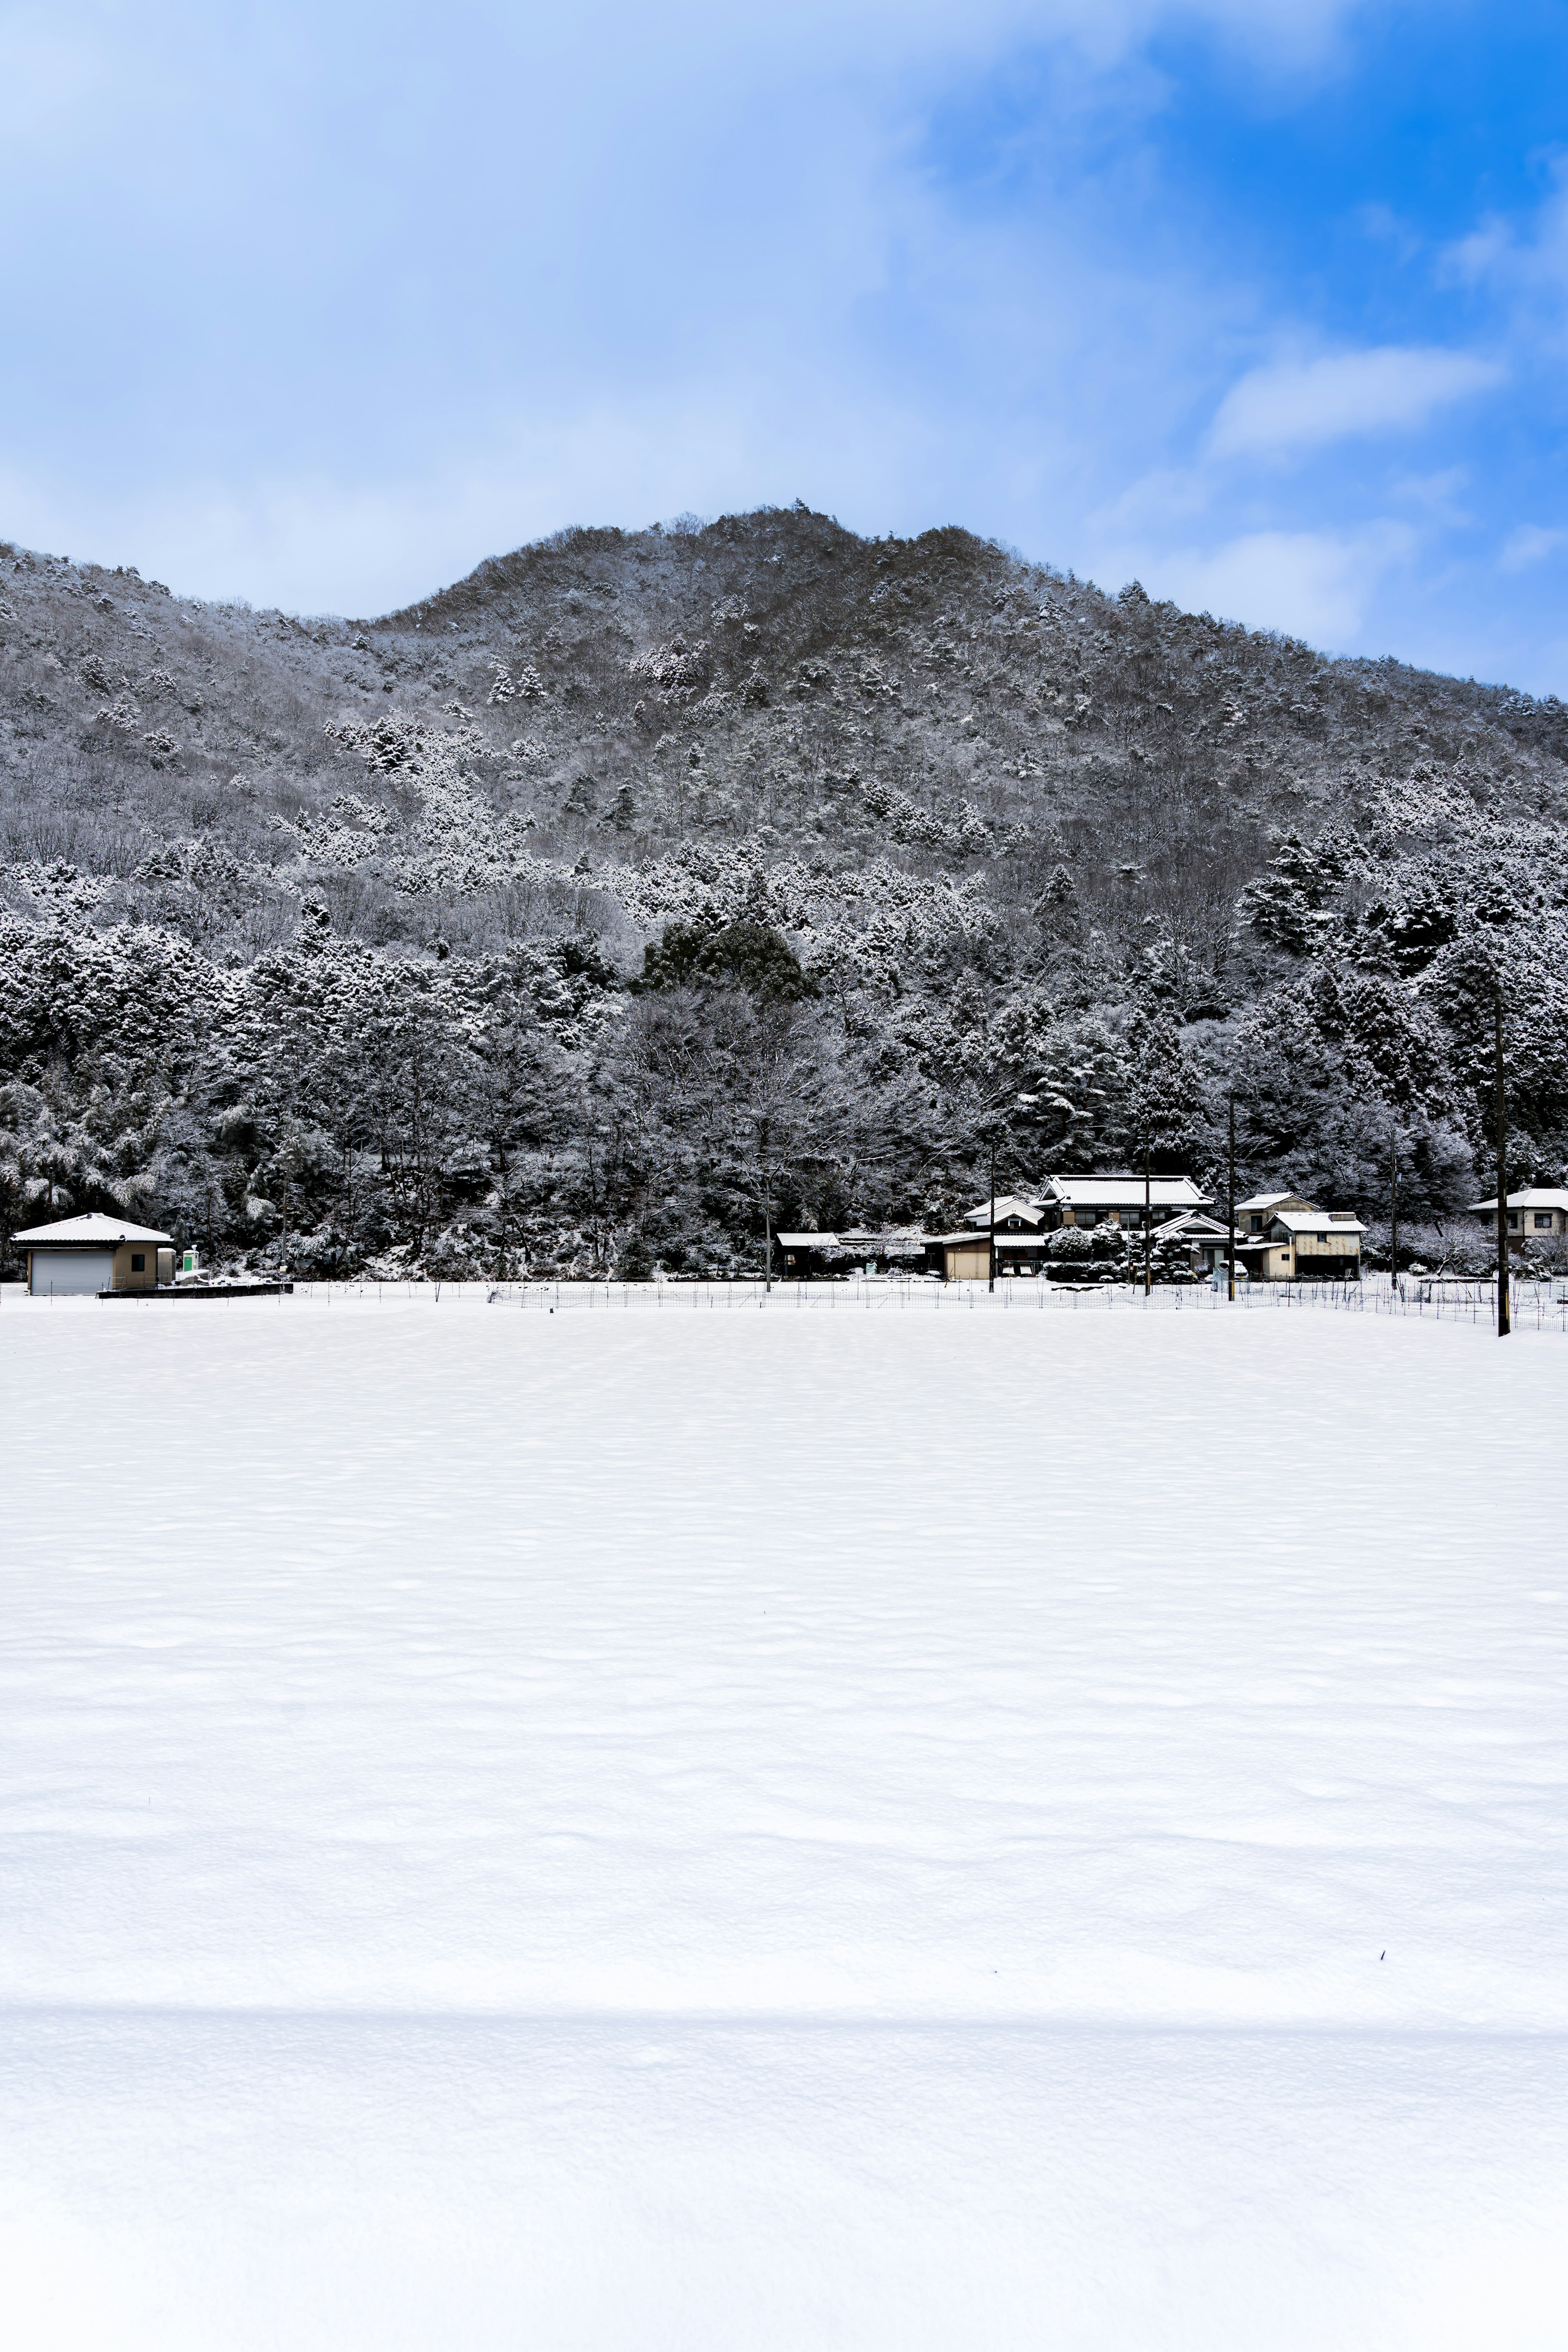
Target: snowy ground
{"type": "Point", "coordinates": [674, 1831]}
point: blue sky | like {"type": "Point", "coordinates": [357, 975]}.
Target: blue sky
{"type": "Point", "coordinates": [1266, 305]}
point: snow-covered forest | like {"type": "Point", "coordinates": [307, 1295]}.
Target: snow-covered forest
{"type": "Point", "coordinates": [643, 885]}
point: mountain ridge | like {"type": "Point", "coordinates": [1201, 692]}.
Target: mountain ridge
{"type": "Point", "coordinates": [1005, 821]}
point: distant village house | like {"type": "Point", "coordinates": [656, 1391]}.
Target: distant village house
{"type": "Point", "coordinates": [1092, 1200]}
{"type": "Point", "coordinates": [1539, 1213]}
{"type": "Point", "coordinates": [1283, 1238]}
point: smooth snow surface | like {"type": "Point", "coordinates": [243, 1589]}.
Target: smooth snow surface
{"type": "Point", "coordinates": [768, 1829]}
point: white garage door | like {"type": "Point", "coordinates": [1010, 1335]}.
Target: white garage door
{"type": "Point", "coordinates": [68, 1272]}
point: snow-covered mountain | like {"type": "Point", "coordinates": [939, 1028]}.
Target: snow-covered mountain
{"type": "Point", "coordinates": [323, 933]}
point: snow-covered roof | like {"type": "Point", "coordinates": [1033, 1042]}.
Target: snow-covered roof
{"type": "Point", "coordinates": [1192, 1225]}
{"type": "Point", "coordinates": [1126, 1191]}
{"type": "Point", "coordinates": [1008, 1204]}
{"type": "Point", "coordinates": [1295, 1222]}
{"type": "Point", "coordinates": [1534, 1196]}
{"type": "Point", "coordinates": [851, 1240]}
{"type": "Point", "coordinates": [1266, 1200]}
{"type": "Point", "coordinates": [94, 1232]}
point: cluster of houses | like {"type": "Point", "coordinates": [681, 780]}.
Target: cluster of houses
{"type": "Point", "coordinates": [1279, 1237]}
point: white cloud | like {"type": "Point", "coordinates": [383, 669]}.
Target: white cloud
{"type": "Point", "coordinates": [1435, 496]}
{"type": "Point", "coordinates": [1304, 403]}
{"type": "Point", "coordinates": [325, 541]}
{"type": "Point", "coordinates": [1531, 543]}
{"type": "Point", "coordinates": [1478, 256]}
{"type": "Point", "coordinates": [635, 264]}
{"type": "Point", "coordinates": [1311, 584]}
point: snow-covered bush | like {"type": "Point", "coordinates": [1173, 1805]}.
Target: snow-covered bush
{"type": "Point", "coordinates": [678, 670]}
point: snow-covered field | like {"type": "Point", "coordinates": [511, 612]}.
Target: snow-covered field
{"type": "Point", "coordinates": [698, 1832]}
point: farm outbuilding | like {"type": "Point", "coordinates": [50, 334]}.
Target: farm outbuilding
{"type": "Point", "coordinates": [83, 1257]}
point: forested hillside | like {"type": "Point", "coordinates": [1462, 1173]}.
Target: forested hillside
{"type": "Point", "coordinates": [643, 884]}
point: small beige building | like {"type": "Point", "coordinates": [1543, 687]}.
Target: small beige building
{"type": "Point", "coordinates": [965, 1257]}
{"type": "Point", "coordinates": [83, 1257]}
{"type": "Point", "coordinates": [1282, 1238]}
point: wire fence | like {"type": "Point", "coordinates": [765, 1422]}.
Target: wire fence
{"type": "Point", "coordinates": [1536, 1305]}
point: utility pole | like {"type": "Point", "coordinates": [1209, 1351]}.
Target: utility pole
{"type": "Point", "coordinates": [1148, 1229]}
{"type": "Point", "coordinates": [1230, 1208]}
{"type": "Point", "coordinates": [1393, 1210]}
{"type": "Point", "coordinates": [991, 1260]}
{"type": "Point", "coordinates": [1503, 1323]}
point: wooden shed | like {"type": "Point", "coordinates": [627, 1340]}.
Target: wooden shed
{"type": "Point", "coordinates": [83, 1257]}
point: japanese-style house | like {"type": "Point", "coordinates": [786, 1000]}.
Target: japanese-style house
{"type": "Point", "coordinates": [1119, 1199]}
{"type": "Point", "coordinates": [1193, 1242]}
{"type": "Point", "coordinates": [1021, 1224]}
{"type": "Point", "coordinates": [1539, 1213]}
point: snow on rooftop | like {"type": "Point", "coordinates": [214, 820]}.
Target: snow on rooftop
{"type": "Point", "coordinates": [852, 1239]}
{"type": "Point", "coordinates": [1534, 1196]}
{"type": "Point", "coordinates": [96, 1227]}
{"type": "Point", "coordinates": [1008, 1204]}
{"type": "Point", "coordinates": [1114, 1192]}
{"type": "Point", "coordinates": [1317, 1220]}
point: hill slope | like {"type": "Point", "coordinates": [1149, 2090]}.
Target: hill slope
{"type": "Point", "coordinates": [321, 933]}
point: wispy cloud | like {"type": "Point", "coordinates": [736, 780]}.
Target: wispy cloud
{"type": "Point", "coordinates": [1531, 543]}
{"type": "Point", "coordinates": [1435, 496]}
{"type": "Point", "coordinates": [457, 277]}
{"type": "Point", "coordinates": [1313, 584]}
{"type": "Point", "coordinates": [1516, 257]}
{"type": "Point", "coordinates": [1305, 404]}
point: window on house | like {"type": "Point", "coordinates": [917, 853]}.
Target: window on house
{"type": "Point", "coordinates": [1257, 1223]}
{"type": "Point", "coordinates": [1512, 1221]}
{"type": "Point", "coordinates": [138, 1263]}
{"type": "Point", "coordinates": [1543, 1221]}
